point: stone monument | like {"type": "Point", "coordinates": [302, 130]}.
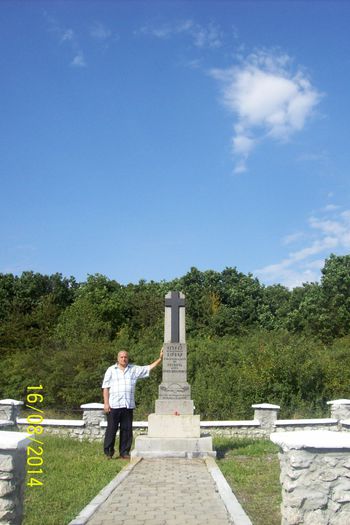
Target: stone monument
{"type": "Point", "coordinates": [174, 430]}
{"type": "Point", "coordinates": [174, 391]}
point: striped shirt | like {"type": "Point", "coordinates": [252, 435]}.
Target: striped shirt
{"type": "Point", "coordinates": [121, 384]}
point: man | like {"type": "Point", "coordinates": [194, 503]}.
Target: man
{"type": "Point", "coordinates": [119, 401]}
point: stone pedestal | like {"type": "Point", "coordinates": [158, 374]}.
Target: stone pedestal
{"type": "Point", "coordinates": [315, 477]}
{"type": "Point", "coordinates": [10, 409]}
{"type": "Point", "coordinates": [12, 476]}
{"type": "Point", "coordinates": [266, 414]}
{"type": "Point", "coordinates": [173, 436]}
{"type": "Point", "coordinates": [165, 426]}
{"type": "Point", "coordinates": [93, 414]}
{"type": "Point", "coordinates": [174, 406]}
{"type": "Point", "coordinates": [174, 447]}
{"type": "Point", "coordinates": [340, 408]}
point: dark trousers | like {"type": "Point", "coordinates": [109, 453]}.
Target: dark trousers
{"type": "Point", "coordinates": [119, 418]}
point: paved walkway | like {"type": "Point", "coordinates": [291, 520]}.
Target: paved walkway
{"type": "Point", "coordinates": [164, 492]}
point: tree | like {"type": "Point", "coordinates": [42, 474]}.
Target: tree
{"type": "Point", "coordinates": [335, 283]}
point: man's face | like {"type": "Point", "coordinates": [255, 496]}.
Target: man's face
{"type": "Point", "coordinates": [123, 359]}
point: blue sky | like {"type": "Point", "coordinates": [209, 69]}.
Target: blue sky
{"type": "Point", "coordinates": [139, 139]}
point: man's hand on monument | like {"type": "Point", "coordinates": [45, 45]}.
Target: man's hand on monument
{"type": "Point", "coordinates": [157, 361]}
{"type": "Point", "coordinates": [161, 353]}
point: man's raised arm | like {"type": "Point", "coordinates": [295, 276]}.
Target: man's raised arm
{"type": "Point", "coordinates": [157, 361]}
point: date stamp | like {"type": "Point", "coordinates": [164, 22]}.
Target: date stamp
{"type": "Point", "coordinates": [35, 458]}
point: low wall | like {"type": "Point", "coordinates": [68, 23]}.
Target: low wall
{"type": "Point", "coordinates": [233, 428]}
{"type": "Point", "coordinates": [290, 425]}
{"type": "Point", "coordinates": [315, 477]}
{"type": "Point", "coordinates": [93, 423]}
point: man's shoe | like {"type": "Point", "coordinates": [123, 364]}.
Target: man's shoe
{"type": "Point", "coordinates": [109, 456]}
{"type": "Point", "coordinates": [124, 457]}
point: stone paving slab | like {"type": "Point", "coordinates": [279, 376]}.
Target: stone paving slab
{"type": "Point", "coordinates": [166, 491]}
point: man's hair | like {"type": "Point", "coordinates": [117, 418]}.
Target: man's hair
{"type": "Point", "coordinates": [123, 352]}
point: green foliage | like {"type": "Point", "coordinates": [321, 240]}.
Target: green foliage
{"type": "Point", "coordinates": [228, 375]}
{"type": "Point", "coordinates": [337, 369]}
{"type": "Point", "coordinates": [247, 342]}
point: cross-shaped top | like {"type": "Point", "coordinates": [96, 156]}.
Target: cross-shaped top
{"type": "Point", "coordinates": [175, 302]}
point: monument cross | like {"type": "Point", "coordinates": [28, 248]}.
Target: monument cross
{"type": "Point", "coordinates": [175, 302]}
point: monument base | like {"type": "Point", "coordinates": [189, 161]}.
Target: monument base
{"type": "Point", "coordinates": [172, 436]}
{"type": "Point", "coordinates": [166, 426]}
{"type": "Point", "coordinates": [148, 447]}
{"type": "Point", "coordinates": [174, 406]}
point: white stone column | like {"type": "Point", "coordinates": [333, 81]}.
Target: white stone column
{"type": "Point", "coordinates": [266, 414]}
{"type": "Point", "coordinates": [315, 477]}
{"type": "Point", "coordinates": [340, 408]}
{"type": "Point", "coordinates": [9, 409]}
{"type": "Point", "coordinates": [12, 476]}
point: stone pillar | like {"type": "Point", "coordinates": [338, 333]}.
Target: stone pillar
{"type": "Point", "coordinates": [174, 391]}
{"type": "Point", "coordinates": [266, 414]}
{"type": "Point", "coordinates": [9, 409]}
{"type": "Point", "coordinates": [12, 476]}
{"type": "Point", "coordinates": [93, 415]}
{"type": "Point", "coordinates": [340, 408]}
{"type": "Point", "coordinates": [315, 470]}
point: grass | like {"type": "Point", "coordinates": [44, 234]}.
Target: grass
{"type": "Point", "coordinates": [251, 468]}
{"type": "Point", "coordinates": [74, 472]}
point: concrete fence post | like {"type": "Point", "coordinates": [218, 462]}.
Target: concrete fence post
{"type": "Point", "coordinates": [340, 408]}
{"type": "Point", "coordinates": [9, 409]}
{"type": "Point", "coordinates": [266, 414]}
{"type": "Point", "coordinates": [93, 415]}
{"type": "Point", "coordinates": [12, 476]}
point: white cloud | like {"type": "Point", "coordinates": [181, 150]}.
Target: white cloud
{"type": "Point", "coordinates": [292, 238]}
{"type": "Point", "coordinates": [66, 37]}
{"type": "Point", "coordinates": [100, 32]}
{"type": "Point", "coordinates": [331, 207]}
{"type": "Point", "coordinates": [266, 98]}
{"type": "Point", "coordinates": [321, 156]}
{"type": "Point", "coordinates": [242, 145]}
{"type": "Point", "coordinates": [209, 36]}
{"type": "Point", "coordinates": [289, 277]}
{"type": "Point", "coordinates": [78, 60]}
{"type": "Point", "coordinates": [325, 235]}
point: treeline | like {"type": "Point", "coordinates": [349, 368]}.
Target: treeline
{"type": "Point", "coordinates": [247, 342]}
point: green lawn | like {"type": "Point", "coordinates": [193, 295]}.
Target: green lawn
{"type": "Point", "coordinates": [74, 472]}
{"type": "Point", "coordinates": [252, 469]}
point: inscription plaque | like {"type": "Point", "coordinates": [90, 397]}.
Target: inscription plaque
{"type": "Point", "coordinates": [174, 385]}
{"type": "Point", "coordinates": [175, 363]}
